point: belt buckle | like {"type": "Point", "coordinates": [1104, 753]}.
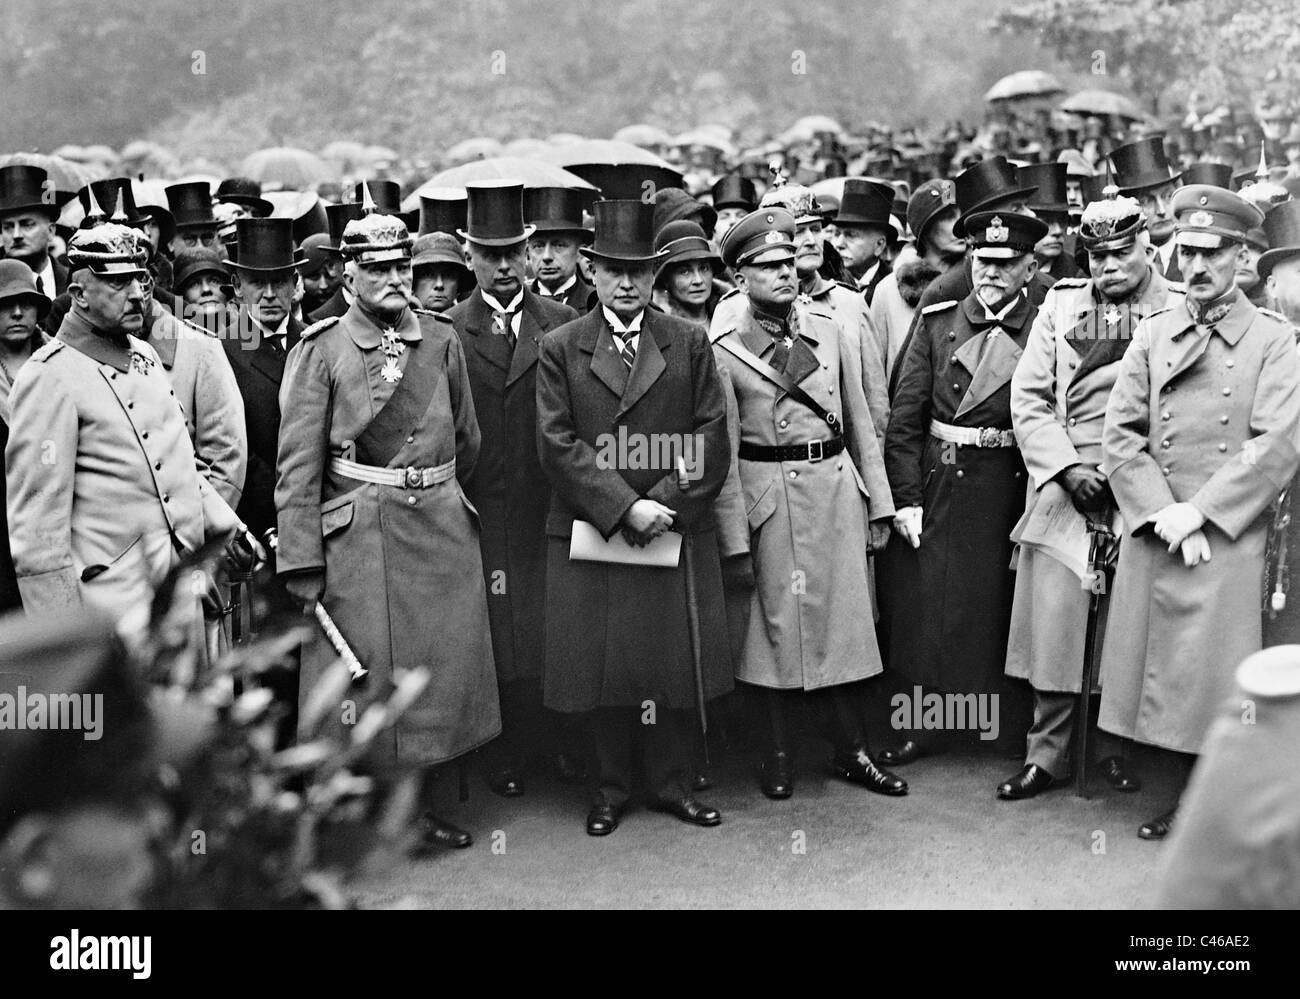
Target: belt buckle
{"type": "Point", "coordinates": [817, 455]}
{"type": "Point", "coordinates": [413, 478]}
{"type": "Point", "coordinates": [989, 437]}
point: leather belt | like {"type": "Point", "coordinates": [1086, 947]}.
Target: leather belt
{"type": "Point", "coordinates": [973, 436]}
{"type": "Point", "coordinates": [401, 478]}
{"type": "Point", "coordinates": [813, 451]}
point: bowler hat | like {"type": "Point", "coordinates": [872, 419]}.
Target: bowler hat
{"type": "Point", "coordinates": [443, 210]}
{"type": "Point", "coordinates": [983, 183]}
{"type": "Point", "coordinates": [735, 191]}
{"type": "Point", "coordinates": [1050, 179]}
{"type": "Point", "coordinates": [925, 205]}
{"type": "Point", "coordinates": [556, 209]}
{"type": "Point", "coordinates": [1141, 165]}
{"type": "Point", "coordinates": [27, 189]}
{"type": "Point", "coordinates": [337, 218]}
{"type": "Point", "coordinates": [625, 230]}
{"type": "Point", "coordinates": [18, 281]}
{"type": "Point", "coordinates": [244, 191]}
{"type": "Point", "coordinates": [191, 205]}
{"type": "Point", "coordinates": [190, 263]}
{"type": "Point", "coordinates": [865, 203]}
{"type": "Point", "coordinates": [1214, 174]}
{"type": "Point", "coordinates": [265, 245]}
{"type": "Point", "coordinates": [683, 241]}
{"type": "Point", "coordinates": [1282, 229]}
{"type": "Point", "coordinates": [496, 213]}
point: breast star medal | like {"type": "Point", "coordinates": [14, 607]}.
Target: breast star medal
{"type": "Point", "coordinates": [392, 347]}
{"type": "Point", "coordinates": [141, 363]}
{"type": "Point", "coordinates": [1111, 315]}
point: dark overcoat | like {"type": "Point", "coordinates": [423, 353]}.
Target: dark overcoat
{"type": "Point", "coordinates": [507, 485]}
{"type": "Point", "coordinates": [617, 635]}
{"type": "Point", "coordinates": [950, 600]}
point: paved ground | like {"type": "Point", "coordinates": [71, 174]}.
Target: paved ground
{"type": "Point", "coordinates": [948, 844]}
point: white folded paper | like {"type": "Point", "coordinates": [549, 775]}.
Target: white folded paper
{"type": "Point", "coordinates": [587, 545]}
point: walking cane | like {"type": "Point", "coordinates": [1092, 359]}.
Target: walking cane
{"type": "Point", "coordinates": [1098, 582]}
{"type": "Point", "coordinates": [693, 616]}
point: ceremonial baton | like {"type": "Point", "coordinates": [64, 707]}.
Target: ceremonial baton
{"type": "Point", "coordinates": [1098, 574]}
{"type": "Point", "coordinates": [693, 615]}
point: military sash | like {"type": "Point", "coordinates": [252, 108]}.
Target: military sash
{"type": "Point", "coordinates": [1101, 334]}
{"type": "Point", "coordinates": [385, 434]}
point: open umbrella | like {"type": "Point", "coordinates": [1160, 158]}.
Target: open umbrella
{"type": "Point", "coordinates": [65, 175]}
{"type": "Point", "coordinates": [563, 138]}
{"type": "Point", "coordinates": [646, 136]}
{"type": "Point", "coordinates": [344, 152]}
{"type": "Point", "coordinates": [619, 169]}
{"type": "Point", "coordinates": [472, 149]}
{"type": "Point", "coordinates": [1102, 102]}
{"type": "Point", "coordinates": [1025, 83]}
{"type": "Point", "coordinates": [708, 138]}
{"type": "Point", "coordinates": [810, 126]}
{"type": "Point", "coordinates": [287, 168]}
{"type": "Point", "coordinates": [529, 172]}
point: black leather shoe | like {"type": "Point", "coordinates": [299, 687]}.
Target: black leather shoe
{"type": "Point", "coordinates": [602, 819]}
{"type": "Point", "coordinates": [1032, 780]}
{"type": "Point", "coordinates": [506, 783]}
{"type": "Point", "coordinates": [701, 781]}
{"type": "Point", "coordinates": [1115, 770]}
{"type": "Point", "coordinates": [1157, 828]}
{"type": "Point", "coordinates": [775, 779]}
{"type": "Point", "coordinates": [898, 756]}
{"type": "Point", "coordinates": [570, 769]}
{"type": "Point", "coordinates": [438, 832]}
{"type": "Point", "coordinates": [860, 768]}
{"type": "Point", "coordinates": [687, 809]}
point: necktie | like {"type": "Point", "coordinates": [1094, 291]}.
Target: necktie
{"type": "Point", "coordinates": [40, 284]}
{"type": "Point", "coordinates": [503, 325]}
{"type": "Point", "coordinates": [626, 350]}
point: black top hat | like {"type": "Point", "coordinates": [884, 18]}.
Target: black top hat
{"type": "Point", "coordinates": [386, 194]}
{"type": "Point", "coordinates": [244, 191]}
{"type": "Point", "coordinates": [735, 191]}
{"type": "Point", "coordinates": [441, 212]}
{"type": "Point", "coordinates": [1142, 164]}
{"type": "Point", "coordinates": [337, 217]}
{"type": "Point", "coordinates": [982, 183]}
{"type": "Point", "coordinates": [191, 205]}
{"type": "Point", "coordinates": [625, 230]}
{"type": "Point", "coordinates": [626, 180]}
{"type": "Point", "coordinates": [1214, 174]}
{"type": "Point", "coordinates": [865, 203]}
{"type": "Point", "coordinates": [1050, 179]}
{"type": "Point", "coordinates": [1282, 229]}
{"type": "Point", "coordinates": [26, 189]}
{"type": "Point", "coordinates": [555, 209]}
{"type": "Point", "coordinates": [309, 217]}
{"type": "Point", "coordinates": [113, 201]}
{"type": "Point", "coordinates": [496, 213]}
{"type": "Point", "coordinates": [265, 245]}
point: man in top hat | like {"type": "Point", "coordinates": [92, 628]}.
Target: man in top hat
{"type": "Point", "coordinates": [1051, 203]}
{"type": "Point", "coordinates": [555, 213]}
{"type": "Point", "coordinates": [443, 210]}
{"type": "Point", "coordinates": [1058, 403]}
{"type": "Point", "coordinates": [500, 326]}
{"type": "Point", "coordinates": [377, 437]}
{"type": "Point", "coordinates": [931, 213]}
{"type": "Point", "coordinates": [102, 522]}
{"type": "Point", "coordinates": [862, 232]}
{"type": "Point", "coordinates": [244, 195]}
{"type": "Point", "coordinates": [805, 504]}
{"type": "Point", "coordinates": [1200, 438]}
{"type": "Point", "coordinates": [1142, 171]}
{"type": "Point", "coordinates": [337, 218]}
{"type": "Point", "coordinates": [322, 271]}
{"type": "Point", "coordinates": [27, 215]}
{"type": "Point", "coordinates": [734, 197]}
{"type": "Point", "coordinates": [191, 208]}
{"type": "Point", "coordinates": [959, 481]}
{"type": "Point", "coordinates": [619, 635]}
{"type": "Point", "coordinates": [22, 309]}
{"type": "Point", "coordinates": [441, 278]}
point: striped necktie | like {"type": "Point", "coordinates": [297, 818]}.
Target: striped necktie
{"type": "Point", "coordinates": [503, 325]}
{"type": "Point", "coordinates": [626, 349]}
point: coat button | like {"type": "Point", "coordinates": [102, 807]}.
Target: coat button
{"type": "Point", "coordinates": [952, 335]}
{"type": "Point", "coordinates": [1230, 362]}
{"type": "Point", "coordinates": [157, 466]}
{"type": "Point", "coordinates": [826, 367]}
{"type": "Point", "coordinates": [410, 501]}
{"type": "Point", "coordinates": [1227, 390]}
{"type": "Point", "coordinates": [784, 424]}
{"type": "Point", "coordinates": [166, 498]}
{"type": "Point", "coordinates": [1074, 364]}
{"type": "Point", "coordinates": [1165, 469]}
{"type": "Point", "coordinates": [956, 387]}
{"type": "Point", "coordinates": [144, 434]}
{"type": "Point", "coordinates": [1165, 416]}
{"type": "Point", "coordinates": [1223, 418]}
{"type": "Point", "coordinates": [839, 466]}
{"type": "Point", "coordinates": [112, 376]}
{"type": "Point", "coordinates": [1164, 443]}
{"type": "Point", "coordinates": [411, 439]}
{"type": "Point", "coordinates": [960, 474]}
{"type": "Point", "coordinates": [1073, 421]}
{"type": "Point", "coordinates": [1223, 447]}
{"type": "Point", "coordinates": [130, 405]}
{"type": "Point", "coordinates": [794, 474]}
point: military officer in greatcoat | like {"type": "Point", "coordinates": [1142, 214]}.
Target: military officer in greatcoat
{"type": "Point", "coordinates": [1058, 403]}
{"type": "Point", "coordinates": [959, 481]}
{"type": "Point", "coordinates": [806, 503]}
{"type": "Point", "coordinates": [632, 435]}
{"type": "Point", "coordinates": [500, 327]}
{"type": "Point", "coordinates": [1200, 439]}
{"type": "Point", "coordinates": [104, 496]}
{"type": "Point", "coordinates": [377, 434]}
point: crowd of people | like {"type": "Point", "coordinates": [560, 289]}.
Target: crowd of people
{"type": "Point", "coordinates": [1005, 431]}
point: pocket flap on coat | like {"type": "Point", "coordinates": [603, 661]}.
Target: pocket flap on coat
{"type": "Point", "coordinates": [762, 508]}
{"type": "Point", "coordinates": [334, 516]}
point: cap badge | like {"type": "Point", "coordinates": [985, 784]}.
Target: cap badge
{"type": "Point", "coordinates": [770, 219]}
{"type": "Point", "coordinates": [997, 232]}
{"type": "Point", "coordinates": [774, 237]}
{"type": "Point", "coordinates": [1204, 200]}
{"type": "Point", "coordinates": [1200, 220]}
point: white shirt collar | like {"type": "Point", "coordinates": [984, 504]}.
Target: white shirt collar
{"type": "Point", "coordinates": [1001, 313]}
{"type": "Point", "coordinates": [542, 289]}
{"type": "Point", "coordinates": [632, 329]}
{"type": "Point", "coordinates": [282, 330]}
{"type": "Point", "coordinates": [516, 308]}
{"type": "Point", "coordinates": [46, 276]}
{"type": "Point", "coordinates": [868, 274]}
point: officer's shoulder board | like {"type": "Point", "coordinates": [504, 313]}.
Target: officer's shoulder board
{"type": "Point", "coordinates": [1177, 286]}
{"type": "Point", "coordinates": [734, 291]}
{"type": "Point", "coordinates": [939, 307]}
{"type": "Point", "coordinates": [48, 349]}
{"type": "Point", "coordinates": [1274, 315]}
{"type": "Point", "coordinates": [441, 316]}
{"type": "Point", "coordinates": [1072, 283]}
{"type": "Point", "coordinates": [848, 287]}
{"type": "Point", "coordinates": [315, 329]}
